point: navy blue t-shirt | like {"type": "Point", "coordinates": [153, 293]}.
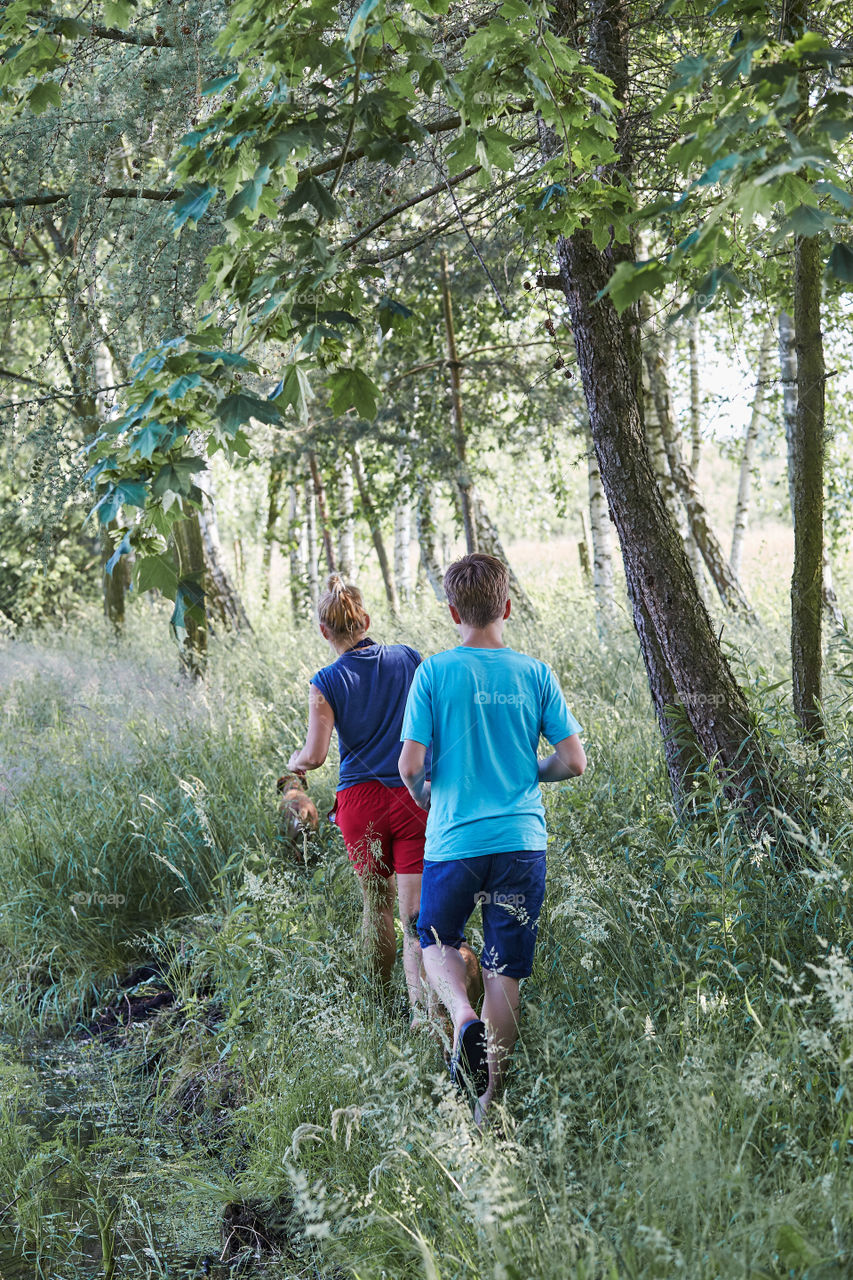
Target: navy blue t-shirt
{"type": "Point", "coordinates": [366, 688]}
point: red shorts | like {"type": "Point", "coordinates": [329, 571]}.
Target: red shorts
{"type": "Point", "coordinates": [382, 827]}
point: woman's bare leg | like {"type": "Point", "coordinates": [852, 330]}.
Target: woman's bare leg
{"type": "Point", "coordinates": [378, 932]}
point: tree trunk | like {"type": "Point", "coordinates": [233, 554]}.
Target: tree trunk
{"type": "Point", "coordinates": [295, 539]}
{"type": "Point", "coordinates": [683, 657]}
{"type": "Point", "coordinates": [602, 545]}
{"type": "Point", "coordinates": [375, 531]}
{"type": "Point", "coordinates": [275, 481]}
{"type": "Point", "coordinates": [488, 540]}
{"type": "Point", "coordinates": [727, 584]}
{"type": "Point", "coordinates": [189, 622]}
{"type": "Point", "coordinates": [311, 545]}
{"type": "Point", "coordinates": [808, 455]}
{"type": "Point", "coordinates": [463, 475]}
{"type": "Point", "coordinates": [830, 599]}
{"type": "Point", "coordinates": [402, 545]}
{"type": "Point", "coordinates": [322, 511]}
{"type": "Point", "coordinates": [427, 540]}
{"type": "Point", "coordinates": [346, 534]}
{"type": "Point", "coordinates": [695, 397]}
{"type": "Point", "coordinates": [693, 552]}
{"type": "Point", "coordinates": [744, 488]}
{"type": "Point", "coordinates": [788, 373]}
{"type": "Point", "coordinates": [403, 529]}
{"type": "Point", "coordinates": [117, 583]}
{"type": "Point", "coordinates": [223, 598]}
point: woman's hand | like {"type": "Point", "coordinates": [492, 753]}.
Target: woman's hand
{"type": "Point", "coordinates": [293, 765]}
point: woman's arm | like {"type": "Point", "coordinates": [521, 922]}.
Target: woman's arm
{"type": "Point", "coordinates": [568, 761]}
{"type": "Point", "coordinates": [321, 722]}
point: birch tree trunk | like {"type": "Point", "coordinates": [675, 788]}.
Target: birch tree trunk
{"type": "Point", "coordinates": [602, 544]}
{"type": "Point", "coordinates": [744, 489]}
{"type": "Point", "coordinates": [489, 541]}
{"type": "Point", "coordinates": [788, 373]}
{"type": "Point", "coordinates": [427, 538]}
{"type": "Point", "coordinates": [372, 518]}
{"type": "Point", "coordinates": [322, 511]}
{"type": "Point", "coordinates": [275, 480]}
{"type": "Point", "coordinates": [311, 545]}
{"type": "Point", "coordinates": [346, 534]}
{"type": "Point", "coordinates": [403, 529]}
{"type": "Point", "coordinates": [296, 539]}
{"type": "Point", "coordinates": [402, 546]}
{"type": "Point", "coordinates": [223, 598]}
{"type": "Point", "coordinates": [693, 552]}
{"type": "Point", "coordinates": [117, 582]}
{"type": "Point", "coordinates": [730, 590]}
{"type": "Point", "coordinates": [695, 397]}
{"type": "Point", "coordinates": [463, 476]}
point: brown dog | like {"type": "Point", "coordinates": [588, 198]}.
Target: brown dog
{"type": "Point", "coordinates": [297, 813]}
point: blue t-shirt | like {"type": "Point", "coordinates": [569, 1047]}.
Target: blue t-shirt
{"type": "Point", "coordinates": [366, 688]}
{"type": "Point", "coordinates": [483, 711]}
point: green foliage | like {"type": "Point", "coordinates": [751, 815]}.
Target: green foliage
{"type": "Point", "coordinates": [686, 1025]}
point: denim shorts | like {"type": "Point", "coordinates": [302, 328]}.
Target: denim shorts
{"type": "Point", "coordinates": [510, 886]}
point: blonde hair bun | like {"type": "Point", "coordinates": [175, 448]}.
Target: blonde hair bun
{"type": "Point", "coordinates": [341, 607]}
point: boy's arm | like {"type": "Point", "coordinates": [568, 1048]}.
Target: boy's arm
{"type": "Point", "coordinates": [568, 760]}
{"type": "Point", "coordinates": [412, 771]}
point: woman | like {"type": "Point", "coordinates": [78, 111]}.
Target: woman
{"type": "Point", "coordinates": [363, 694]}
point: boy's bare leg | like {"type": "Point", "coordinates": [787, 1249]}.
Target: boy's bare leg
{"type": "Point", "coordinates": [378, 932]}
{"type": "Point", "coordinates": [447, 974]}
{"type": "Point", "coordinates": [409, 901]}
{"type": "Point", "coordinates": [500, 1014]}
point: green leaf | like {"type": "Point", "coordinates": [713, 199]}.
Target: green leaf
{"type": "Point", "coordinates": [232, 411]}
{"type": "Point", "coordinates": [189, 603]}
{"type": "Point", "coordinates": [148, 439]}
{"type": "Point", "coordinates": [46, 93]}
{"type": "Point", "coordinates": [392, 314]}
{"type": "Point", "coordinates": [248, 195]}
{"type": "Point", "coordinates": [632, 279]}
{"type": "Point", "coordinates": [807, 221]}
{"type": "Point", "coordinates": [192, 204]}
{"type": "Point", "coordinates": [294, 391]}
{"type": "Point", "coordinates": [311, 191]}
{"type": "Point", "coordinates": [840, 264]}
{"type": "Point", "coordinates": [157, 572]}
{"type": "Point", "coordinates": [176, 476]}
{"type": "Point", "coordinates": [182, 385]}
{"type": "Point", "coordinates": [220, 83]}
{"type": "Point", "coordinates": [118, 13]}
{"type": "Point", "coordinates": [352, 389]}
{"type": "Point", "coordinates": [128, 493]}
{"type": "Point", "coordinates": [358, 26]}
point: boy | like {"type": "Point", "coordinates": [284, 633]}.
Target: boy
{"type": "Point", "coordinates": [483, 707]}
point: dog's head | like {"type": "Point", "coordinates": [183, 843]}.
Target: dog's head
{"type": "Point", "coordinates": [290, 782]}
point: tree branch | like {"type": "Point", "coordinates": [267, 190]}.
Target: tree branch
{"type": "Point", "coordinates": [113, 33]}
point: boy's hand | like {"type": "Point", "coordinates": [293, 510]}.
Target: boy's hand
{"type": "Point", "coordinates": [293, 767]}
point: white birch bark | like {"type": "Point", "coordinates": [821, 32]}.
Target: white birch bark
{"type": "Point", "coordinates": [346, 528]}
{"type": "Point", "coordinates": [747, 463]}
{"type": "Point", "coordinates": [602, 542]}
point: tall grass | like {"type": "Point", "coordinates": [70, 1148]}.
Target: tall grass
{"type": "Point", "coordinates": [680, 1099]}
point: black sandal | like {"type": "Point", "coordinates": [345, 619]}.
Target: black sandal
{"type": "Point", "coordinates": [469, 1064]}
